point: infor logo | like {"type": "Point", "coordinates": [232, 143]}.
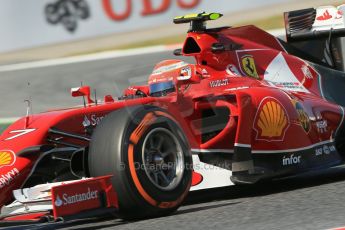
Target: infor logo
{"type": "Point", "coordinates": [291, 160]}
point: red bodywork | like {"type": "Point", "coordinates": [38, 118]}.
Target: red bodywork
{"type": "Point", "coordinates": [287, 113]}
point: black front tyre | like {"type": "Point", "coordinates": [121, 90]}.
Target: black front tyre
{"type": "Point", "coordinates": [149, 156]}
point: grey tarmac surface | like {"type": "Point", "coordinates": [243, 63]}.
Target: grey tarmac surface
{"type": "Point", "coordinates": [49, 87]}
{"type": "Point", "coordinates": [312, 201]}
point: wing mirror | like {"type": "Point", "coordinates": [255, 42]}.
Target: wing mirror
{"type": "Point", "coordinates": [178, 52]}
{"type": "Point", "coordinates": [217, 47]}
{"type": "Point", "coordinates": [83, 91]}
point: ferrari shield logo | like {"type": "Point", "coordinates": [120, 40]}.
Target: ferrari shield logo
{"type": "Point", "coordinates": [248, 65]}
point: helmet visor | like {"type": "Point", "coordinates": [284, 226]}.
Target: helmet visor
{"type": "Point", "coordinates": [161, 88]}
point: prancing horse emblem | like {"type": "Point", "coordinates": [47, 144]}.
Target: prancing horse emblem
{"type": "Point", "coordinates": [248, 64]}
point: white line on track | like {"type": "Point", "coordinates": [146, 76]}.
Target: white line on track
{"type": "Point", "coordinates": [100, 56]}
{"type": "Point", "coordinates": [5, 121]}
{"type": "Point", "coordinates": [84, 58]}
{"type": "Point", "coordinates": [338, 228]}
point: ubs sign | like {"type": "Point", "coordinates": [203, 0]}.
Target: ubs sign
{"type": "Point", "coordinates": [148, 7]}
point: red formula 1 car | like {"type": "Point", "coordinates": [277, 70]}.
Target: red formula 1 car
{"type": "Point", "coordinates": [253, 107]}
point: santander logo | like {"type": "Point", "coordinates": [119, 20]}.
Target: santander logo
{"type": "Point", "coordinates": [76, 198]}
{"type": "Point", "coordinates": [58, 201]}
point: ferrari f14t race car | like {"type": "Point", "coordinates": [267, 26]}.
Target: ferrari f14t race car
{"type": "Point", "coordinates": [252, 107]}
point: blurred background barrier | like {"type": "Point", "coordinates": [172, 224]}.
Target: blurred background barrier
{"type": "Point", "coordinates": [34, 30]}
{"type": "Point", "coordinates": [31, 23]}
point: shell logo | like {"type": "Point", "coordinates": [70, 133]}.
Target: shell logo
{"type": "Point", "coordinates": [7, 158]}
{"type": "Point", "coordinates": [271, 121]}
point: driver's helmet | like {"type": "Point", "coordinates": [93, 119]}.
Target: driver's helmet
{"type": "Point", "coordinates": [164, 77]}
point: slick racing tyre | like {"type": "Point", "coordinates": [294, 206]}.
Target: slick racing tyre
{"type": "Point", "coordinates": [149, 156]}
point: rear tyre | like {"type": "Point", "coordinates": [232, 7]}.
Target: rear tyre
{"type": "Point", "coordinates": [146, 151]}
